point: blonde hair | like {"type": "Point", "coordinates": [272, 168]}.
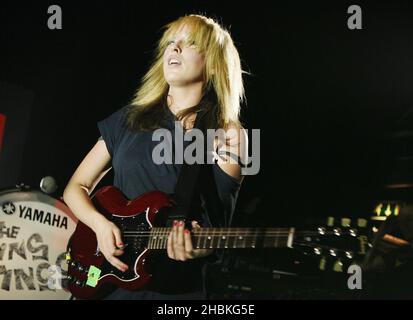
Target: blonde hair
{"type": "Point", "coordinates": [222, 75]}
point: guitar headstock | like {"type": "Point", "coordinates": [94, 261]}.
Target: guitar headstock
{"type": "Point", "coordinates": [336, 244]}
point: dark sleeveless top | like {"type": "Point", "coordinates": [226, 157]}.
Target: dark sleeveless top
{"type": "Point", "coordinates": [135, 173]}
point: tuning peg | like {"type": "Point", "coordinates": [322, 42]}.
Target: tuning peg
{"type": "Point", "coordinates": [321, 230]}
{"type": "Point", "coordinates": [353, 232]}
{"type": "Point", "coordinates": [317, 250]}
{"type": "Point", "coordinates": [337, 231]}
{"type": "Point", "coordinates": [333, 252]}
{"type": "Point", "coordinates": [349, 255]}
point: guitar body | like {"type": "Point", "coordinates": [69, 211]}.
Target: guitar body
{"type": "Point", "coordinates": [90, 275]}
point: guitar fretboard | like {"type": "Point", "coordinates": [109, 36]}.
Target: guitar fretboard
{"type": "Point", "coordinates": [215, 238]}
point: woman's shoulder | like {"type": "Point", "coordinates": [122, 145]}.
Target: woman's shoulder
{"type": "Point", "coordinates": [113, 127]}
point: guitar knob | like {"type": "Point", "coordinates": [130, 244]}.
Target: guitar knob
{"type": "Point", "coordinates": [81, 268]}
{"type": "Point", "coordinates": [71, 279]}
{"type": "Point", "coordinates": [78, 283]}
{"type": "Point", "coordinates": [73, 263]}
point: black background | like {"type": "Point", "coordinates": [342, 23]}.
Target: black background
{"type": "Point", "coordinates": [325, 97]}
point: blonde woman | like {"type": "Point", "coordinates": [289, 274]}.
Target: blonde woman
{"type": "Point", "coordinates": [196, 69]}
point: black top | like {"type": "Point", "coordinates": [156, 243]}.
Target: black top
{"type": "Point", "coordinates": [135, 174]}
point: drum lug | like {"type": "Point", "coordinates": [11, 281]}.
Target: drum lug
{"type": "Point", "coordinates": [23, 187]}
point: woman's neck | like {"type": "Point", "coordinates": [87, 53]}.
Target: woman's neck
{"type": "Point", "coordinates": [180, 98]}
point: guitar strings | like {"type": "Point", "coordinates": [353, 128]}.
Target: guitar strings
{"type": "Point", "coordinates": [230, 234]}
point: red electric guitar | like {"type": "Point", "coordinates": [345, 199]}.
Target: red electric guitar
{"type": "Point", "coordinates": [142, 222]}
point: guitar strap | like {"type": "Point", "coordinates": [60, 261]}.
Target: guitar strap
{"type": "Point", "coordinates": [186, 183]}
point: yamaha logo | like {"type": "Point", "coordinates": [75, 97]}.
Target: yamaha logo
{"type": "Point", "coordinates": [8, 208]}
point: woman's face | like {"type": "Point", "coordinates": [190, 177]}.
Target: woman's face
{"type": "Point", "coordinates": [183, 65]}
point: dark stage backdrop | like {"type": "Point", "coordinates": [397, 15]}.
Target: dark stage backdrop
{"type": "Point", "coordinates": [325, 97]}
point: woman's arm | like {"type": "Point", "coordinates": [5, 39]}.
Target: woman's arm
{"type": "Point", "coordinates": [76, 195]}
{"type": "Point", "coordinates": [90, 171]}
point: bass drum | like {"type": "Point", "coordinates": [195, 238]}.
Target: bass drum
{"type": "Point", "coordinates": [34, 231]}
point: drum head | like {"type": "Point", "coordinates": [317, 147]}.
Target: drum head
{"type": "Point", "coordinates": [34, 231]}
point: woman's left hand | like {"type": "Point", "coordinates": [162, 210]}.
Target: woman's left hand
{"type": "Point", "coordinates": [180, 244]}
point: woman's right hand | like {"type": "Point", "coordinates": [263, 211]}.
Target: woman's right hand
{"type": "Point", "coordinates": [110, 242]}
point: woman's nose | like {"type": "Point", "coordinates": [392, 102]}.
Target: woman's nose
{"type": "Point", "coordinates": [177, 47]}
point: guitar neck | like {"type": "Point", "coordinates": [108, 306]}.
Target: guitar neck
{"type": "Point", "coordinates": [236, 238]}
